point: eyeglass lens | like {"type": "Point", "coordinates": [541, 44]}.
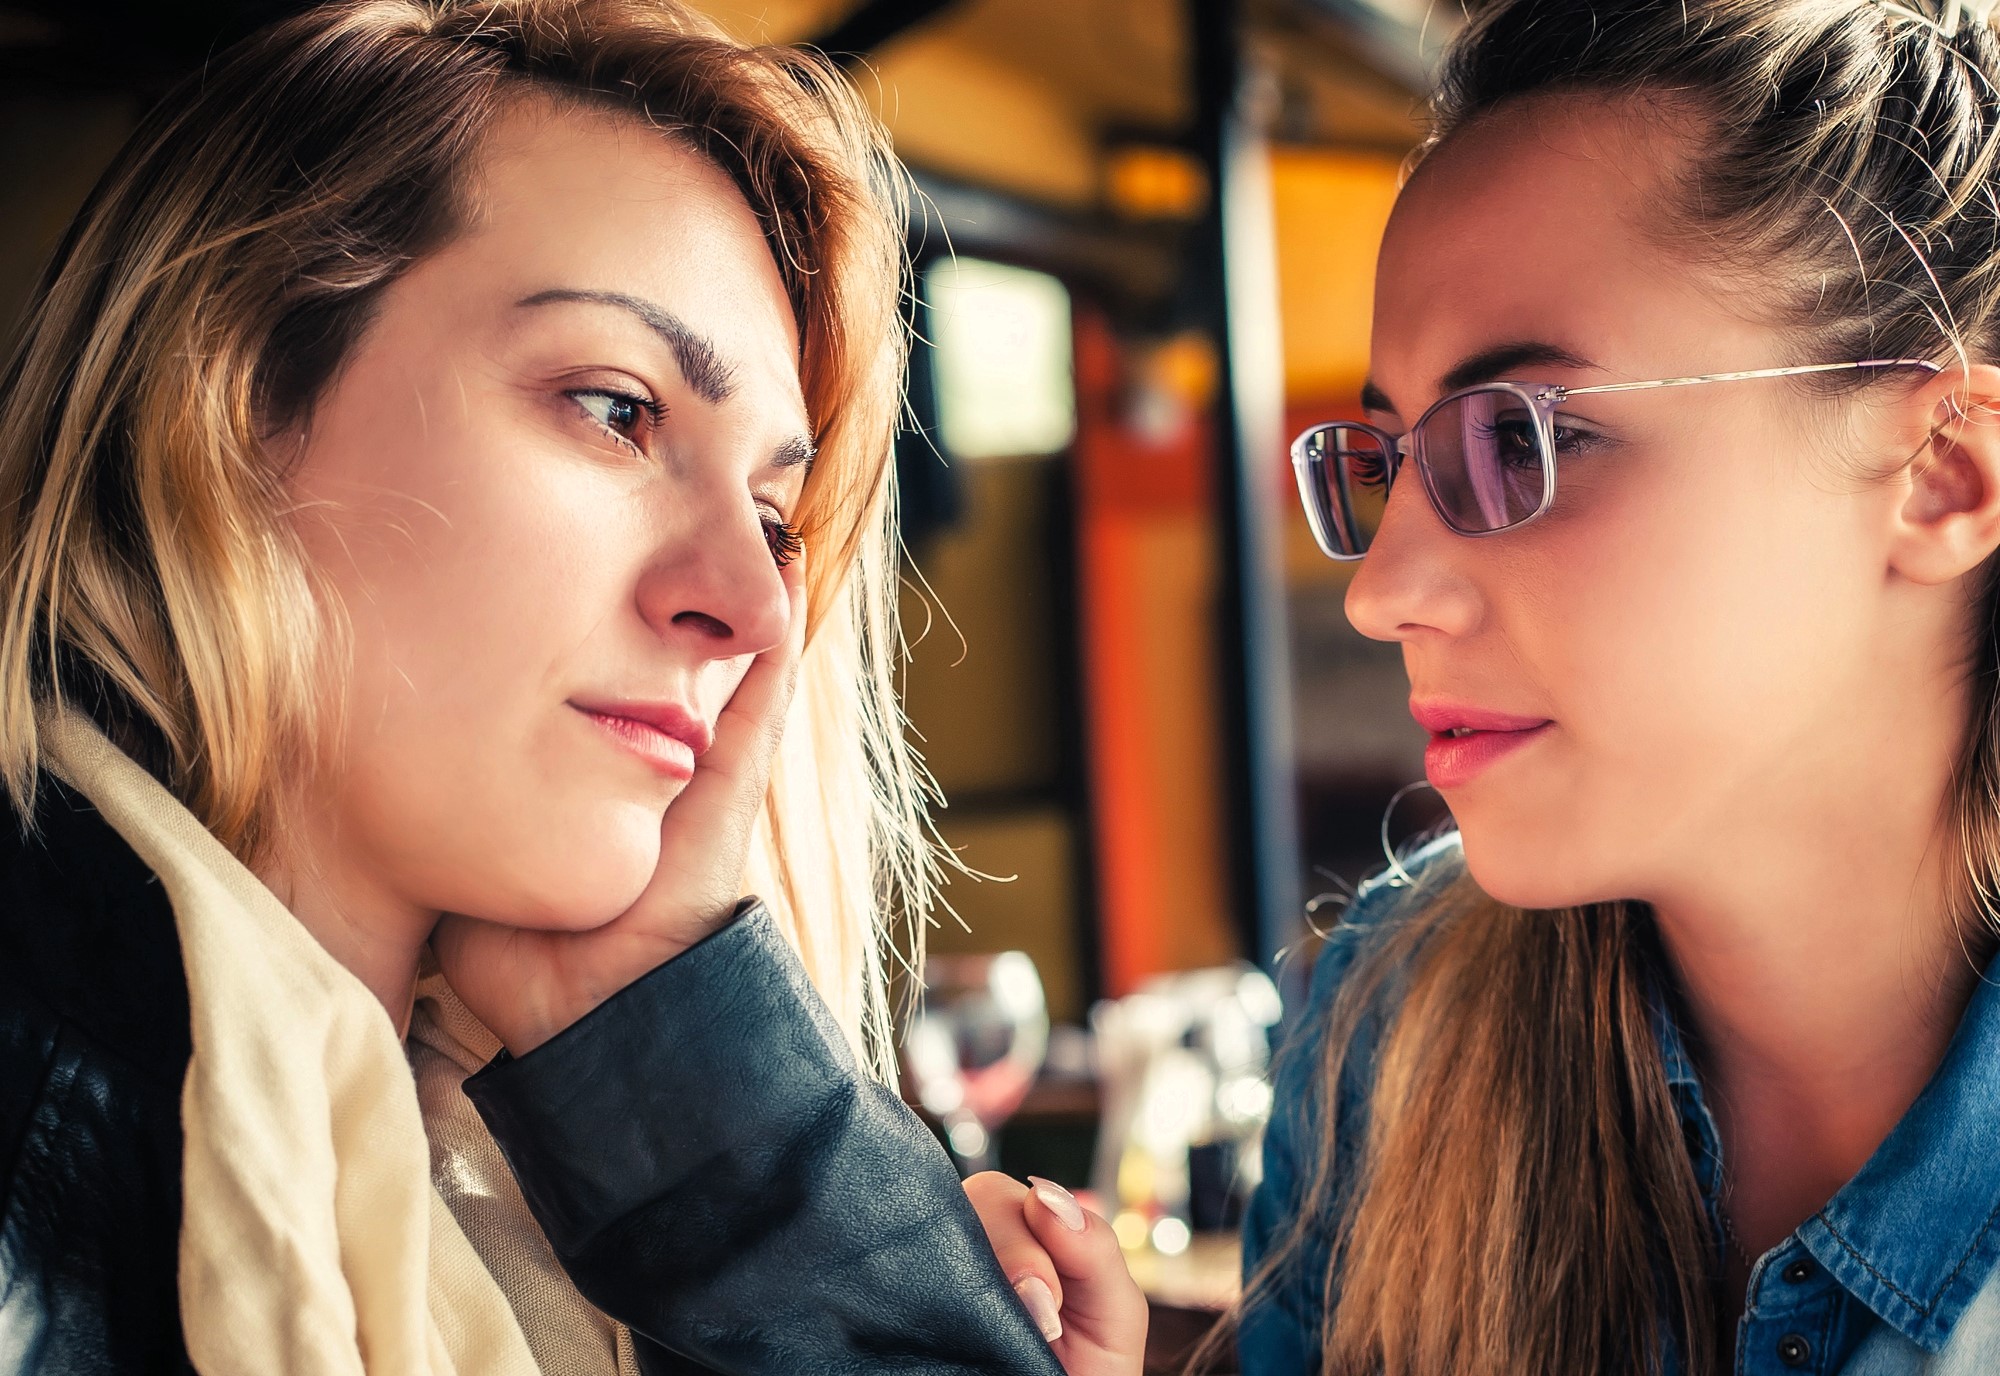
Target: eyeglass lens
{"type": "Point", "coordinates": [1481, 456]}
{"type": "Point", "coordinates": [1345, 483]}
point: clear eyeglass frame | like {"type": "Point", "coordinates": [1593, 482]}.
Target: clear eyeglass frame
{"type": "Point", "coordinates": [1325, 487]}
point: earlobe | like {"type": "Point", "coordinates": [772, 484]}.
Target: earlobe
{"type": "Point", "coordinates": [1949, 521]}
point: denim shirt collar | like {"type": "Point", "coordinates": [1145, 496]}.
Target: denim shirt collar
{"type": "Point", "coordinates": [1916, 1233]}
{"type": "Point", "coordinates": [1698, 1131]}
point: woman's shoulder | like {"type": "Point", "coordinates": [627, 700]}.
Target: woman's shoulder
{"type": "Point", "coordinates": [1382, 906]}
{"type": "Point", "coordinates": [87, 935]}
{"type": "Point", "coordinates": [94, 1022]}
{"type": "Point", "coordinates": [94, 1043]}
{"type": "Point", "coordinates": [1281, 1321]}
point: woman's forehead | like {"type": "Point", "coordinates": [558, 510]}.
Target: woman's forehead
{"type": "Point", "coordinates": [595, 206]}
{"type": "Point", "coordinates": [1539, 224]}
{"type": "Point", "coordinates": [582, 180]}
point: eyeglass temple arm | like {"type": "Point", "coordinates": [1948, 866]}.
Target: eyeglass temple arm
{"type": "Point", "coordinates": [1560, 393]}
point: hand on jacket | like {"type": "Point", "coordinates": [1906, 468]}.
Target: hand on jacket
{"type": "Point", "coordinates": [529, 985]}
{"type": "Point", "coordinates": [1064, 1263]}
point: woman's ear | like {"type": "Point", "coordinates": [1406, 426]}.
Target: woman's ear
{"type": "Point", "coordinates": [1949, 521]}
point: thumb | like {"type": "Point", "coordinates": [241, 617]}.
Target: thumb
{"type": "Point", "coordinates": [1098, 1288]}
{"type": "Point", "coordinates": [737, 765]}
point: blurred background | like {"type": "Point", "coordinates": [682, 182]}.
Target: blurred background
{"type": "Point", "coordinates": [1144, 253]}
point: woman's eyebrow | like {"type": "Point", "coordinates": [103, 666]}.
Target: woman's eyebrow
{"type": "Point", "coordinates": [694, 353]}
{"type": "Point", "coordinates": [796, 452]}
{"type": "Point", "coordinates": [1501, 359]}
{"type": "Point", "coordinates": [1485, 366]}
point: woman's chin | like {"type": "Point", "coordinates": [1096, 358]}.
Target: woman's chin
{"type": "Point", "coordinates": [569, 879]}
{"type": "Point", "coordinates": [566, 912]}
{"type": "Point", "coordinates": [1523, 874]}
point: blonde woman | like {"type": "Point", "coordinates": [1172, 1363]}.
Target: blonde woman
{"type": "Point", "coordinates": [447, 544]}
{"type": "Point", "coordinates": [1680, 492]}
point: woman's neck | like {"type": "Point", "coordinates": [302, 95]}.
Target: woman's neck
{"type": "Point", "coordinates": [377, 937]}
{"type": "Point", "coordinates": [1825, 977]}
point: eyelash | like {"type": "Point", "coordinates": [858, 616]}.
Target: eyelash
{"type": "Point", "coordinates": [785, 541]}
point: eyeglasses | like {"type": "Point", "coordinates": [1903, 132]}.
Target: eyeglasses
{"type": "Point", "coordinates": [1487, 455]}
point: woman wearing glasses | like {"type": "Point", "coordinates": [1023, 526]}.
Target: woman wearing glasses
{"type": "Point", "coordinates": [1680, 490]}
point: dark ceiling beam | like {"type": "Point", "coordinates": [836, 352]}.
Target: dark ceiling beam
{"type": "Point", "coordinates": [873, 23]}
{"type": "Point", "coordinates": [1397, 50]}
{"type": "Point", "coordinates": [1133, 269]}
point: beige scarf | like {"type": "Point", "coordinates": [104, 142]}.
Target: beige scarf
{"type": "Point", "coordinates": [312, 1241]}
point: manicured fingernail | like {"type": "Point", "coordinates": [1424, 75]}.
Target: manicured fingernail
{"type": "Point", "coordinates": [1041, 1302]}
{"type": "Point", "coordinates": [1060, 1202]}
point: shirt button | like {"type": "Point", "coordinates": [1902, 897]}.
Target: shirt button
{"type": "Point", "coordinates": [1794, 1350]}
{"type": "Point", "coordinates": [1798, 1272]}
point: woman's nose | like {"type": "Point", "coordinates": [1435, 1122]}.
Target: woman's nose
{"type": "Point", "coordinates": [1411, 580]}
{"type": "Point", "coordinates": [714, 582]}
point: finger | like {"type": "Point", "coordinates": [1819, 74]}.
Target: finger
{"type": "Point", "coordinates": [1085, 1254]}
{"type": "Point", "coordinates": [766, 689]}
{"type": "Point", "coordinates": [456, 936]}
{"type": "Point", "coordinates": [735, 773]}
{"type": "Point", "coordinates": [750, 723]}
{"type": "Point", "coordinates": [705, 833]}
{"type": "Point", "coordinates": [998, 1200]}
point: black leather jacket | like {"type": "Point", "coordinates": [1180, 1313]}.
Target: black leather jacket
{"type": "Point", "coordinates": [710, 1165]}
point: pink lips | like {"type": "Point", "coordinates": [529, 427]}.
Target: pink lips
{"type": "Point", "coordinates": [1465, 740]}
{"type": "Point", "coordinates": [663, 734]}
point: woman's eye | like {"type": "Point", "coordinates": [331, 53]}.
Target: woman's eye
{"type": "Point", "coordinates": [1571, 439]}
{"type": "Point", "coordinates": [619, 413]}
{"type": "Point", "coordinates": [1514, 439]}
{"type": "Point", "coordinates": [785, 542]}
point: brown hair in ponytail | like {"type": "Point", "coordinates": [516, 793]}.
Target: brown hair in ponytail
{"type": "Point", "coordinates": [1524, 1202]}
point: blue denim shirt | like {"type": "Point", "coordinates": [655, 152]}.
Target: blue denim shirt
{"type": "Point", "coordinates": [1895, 1276]}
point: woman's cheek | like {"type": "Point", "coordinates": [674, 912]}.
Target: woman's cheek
{"type": "Point", "coordinates": [1597, 639]}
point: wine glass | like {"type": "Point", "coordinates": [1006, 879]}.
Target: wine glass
{"type": "Point", "coordinates": [975, 1046]}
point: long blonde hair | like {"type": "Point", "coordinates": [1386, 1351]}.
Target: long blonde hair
{"type": "Point", "coordinates": [221, 271]}
{"type": "Point", "coordinates": [1523, 1200]}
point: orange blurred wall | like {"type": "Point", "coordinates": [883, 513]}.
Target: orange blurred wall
{"type": "Point", "coordinates": [1331, 208]}
{"type": "Point", "coordinates": [1148, 570]}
